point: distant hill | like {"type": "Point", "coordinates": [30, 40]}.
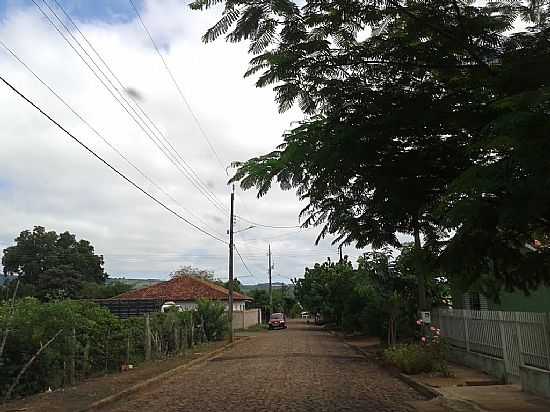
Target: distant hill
{"type": "Point", "coordinates": [135, 283]}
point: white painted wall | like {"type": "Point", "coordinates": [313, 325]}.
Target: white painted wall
{"type": "Point", "coordinates": [192, 305]}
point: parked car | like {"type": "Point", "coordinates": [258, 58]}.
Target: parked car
{"type": "Point", "coordinates": [277, 320]}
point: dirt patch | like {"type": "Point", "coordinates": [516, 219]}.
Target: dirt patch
{"type": "Point", "coordinates": [78, 397]}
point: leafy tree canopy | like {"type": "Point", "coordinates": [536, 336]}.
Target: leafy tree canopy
{"type": "Point", "coordinates": [193, 271]}
{"type": "Point", "coordinates": [53, 265]}
{"type": "Point", "coordinates": [424, 117]}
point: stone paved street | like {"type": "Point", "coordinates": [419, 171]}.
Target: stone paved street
{"type": "Point", "coordinates": [301, 368]}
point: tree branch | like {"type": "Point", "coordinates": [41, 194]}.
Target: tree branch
{"type": "Point", "coordinates": [28, 364]}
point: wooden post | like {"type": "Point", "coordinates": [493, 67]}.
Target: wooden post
{"type": "Point", "coordinates": [192, 334]}
{"type": "Point", "coordinates": [72, 376]}
{"type": "Point", "coordinates": [128, 348]}
{"type": "Point", "coordinates": [107, 336]}
{"type": "Point", "coordinates": [176, 340]}
{"type": "Point", "coordinates": [86, 357]}
{"type": "Point", "coordinates": [147, 338]}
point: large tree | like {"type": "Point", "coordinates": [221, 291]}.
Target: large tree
{"type": "Point", "coordinates": [51, 264]}
{"type": "Point", "coordinates": [423, 117]}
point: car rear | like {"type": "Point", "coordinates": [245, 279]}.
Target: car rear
{"type": "Point", "coordinates": [277, 321]}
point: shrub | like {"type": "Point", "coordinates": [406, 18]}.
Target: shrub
{"type": "Point", "coordinates": [418, 358]}
{"type": "Point", "coordinates": [211, 316]}
{"type": "Point", "coordinates": [92, 340]}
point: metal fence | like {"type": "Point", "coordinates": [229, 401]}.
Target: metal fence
{"type": "Point", "coordinates": [519, 338]}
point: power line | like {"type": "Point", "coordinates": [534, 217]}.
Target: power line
{"type": "Point", "coordinates": [243, 262]}
{"type": "Point", "coordinates": [136, 117]}
{"type": "Point", "coordinates": [177, 86]}
{"type": "Point", "coordinates": [115, 170]}
{"type": "Point", "coordinates": [97, 133]}
{"type": "Point", "coordinates": [266, 226]}
{"type": "Point", "coordinates": [189, 168]}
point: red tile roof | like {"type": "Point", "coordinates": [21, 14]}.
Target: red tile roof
{"type": "Point", "coordinates": [183, 288]}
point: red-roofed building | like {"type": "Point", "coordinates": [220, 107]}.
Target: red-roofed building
{"type": "Point", "coordinates": [185, 291]}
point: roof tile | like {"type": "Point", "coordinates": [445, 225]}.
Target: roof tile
{"type": "Point", "coordinates": [183, 288]}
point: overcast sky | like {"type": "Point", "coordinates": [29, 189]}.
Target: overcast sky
{"type": "Point", "coordinates": [47, 179]}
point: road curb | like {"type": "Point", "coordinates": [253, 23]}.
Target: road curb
{"type": "Point", "coordinates": [421, 388]}
{"type": "Point", "coordinates": [155, 379]}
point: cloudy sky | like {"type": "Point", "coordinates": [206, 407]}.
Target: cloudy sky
{"type": "Point", "coordinates": [47, 179]}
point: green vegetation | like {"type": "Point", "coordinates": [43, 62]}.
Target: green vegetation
{"type": "Point", "coordinates": [426, 118]}
{"type": "Point", "coordinates": [378, 297]}
{"type": "Point", "coordinates": [283, 301]}
{"type": "Point", "coordinates": [89, 340]}
{"type": "Point", "coordinates": [55, 266]}
{"type": "Point", "coordinates": [414, 358]}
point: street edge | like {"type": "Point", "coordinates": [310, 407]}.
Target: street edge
{"type": "Point", "coordinates": [421, 388]}
{"type": "Point", "coordinates": [101, 403]}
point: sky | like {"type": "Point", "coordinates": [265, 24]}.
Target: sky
{"type": "Point", "coordinates": [47, 179]}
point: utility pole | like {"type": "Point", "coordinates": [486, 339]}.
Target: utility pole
{"type": "Point", "coordinates": [230, 313]}
{"type": "Point", "coordinates": [341, 257]}
{"type": "Point", "coordinates": [270, 287]}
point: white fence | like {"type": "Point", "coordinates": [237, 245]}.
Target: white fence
{"type": "Point", "coordinates": [519, 338]}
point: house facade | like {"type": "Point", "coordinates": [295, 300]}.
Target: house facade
{"type": "Point", "coordinates": [538, 300]}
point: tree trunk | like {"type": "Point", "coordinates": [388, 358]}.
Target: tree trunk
{"type": "Point", "coordinates": [420, 275]}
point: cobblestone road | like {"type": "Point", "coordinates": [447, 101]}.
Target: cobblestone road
{"type": "Point", "coordinates": [298, 369]}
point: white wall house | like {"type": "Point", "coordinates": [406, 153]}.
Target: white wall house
{"type": "Point", "coordinates": [186, 291]}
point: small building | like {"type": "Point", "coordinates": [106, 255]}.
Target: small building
{"type": "Point", "coordinates": [184, 291]}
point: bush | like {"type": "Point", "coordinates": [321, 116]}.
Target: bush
{"type": "Point", "coordinates": [418, 358]}
{"type": "Point", "coordinates": [211, 316]}
{"type": "Point", "coordinates": [92, 340]}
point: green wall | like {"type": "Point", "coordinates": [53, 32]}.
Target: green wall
{"type": "Point", "coordinates": [537, 301]}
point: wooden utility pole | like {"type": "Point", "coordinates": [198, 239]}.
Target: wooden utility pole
{"type": "Point", "coordinates": [270, 286]}
{"type": "Point", "coordinates": [230, 312]}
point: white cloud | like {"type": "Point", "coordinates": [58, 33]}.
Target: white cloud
{"type": "Point", "coordinates": [52, 182]}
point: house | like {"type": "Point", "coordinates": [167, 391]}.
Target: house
{"type": "Point", "coordinates": [185, 291]}
{"type": "Point", "coordinates": [538, 300]}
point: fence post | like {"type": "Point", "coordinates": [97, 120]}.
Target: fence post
{"type": "Point", "coordinates": [72, 377]}
{"type": "Point", "coordinates": [546, 329]}
{"type": "Point", "coordinates": [192, 333]}
{"type": "Point", "coordinates": [520, 341]}
{"type": "Point", "coordinates": [147, 338]}
{"type": "Point", "coordinates": [505, 354]}
{"type": "Point", "coordinates": [128, 348]}
{"type": "Point", "coordinates": [466, 333]}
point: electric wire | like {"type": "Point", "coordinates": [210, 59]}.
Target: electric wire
{"type": "Point", "coordinates": [140, 108]}
{"type": "Point", "coordinates": [177, 86]}
{"type": "Point", "coordinates": [107, 164]}
{"type": "Point", "coordinates": [140, 122]}
{"type": "Point", "coordinates": [98, 134]}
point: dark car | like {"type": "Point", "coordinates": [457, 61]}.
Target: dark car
{"type": "Point", "coordinates": [277, 320]}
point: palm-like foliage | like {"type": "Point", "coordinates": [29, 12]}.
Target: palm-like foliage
{"type": "Point", "coordinates": [426, 117]}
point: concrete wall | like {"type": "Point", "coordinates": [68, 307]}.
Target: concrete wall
{"type": "Point", "coordinates": [246, 318]}
{"type": "Point", "coordinates": [492, 366]}
{"type": "Point", "coordinates": [535, 380]}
